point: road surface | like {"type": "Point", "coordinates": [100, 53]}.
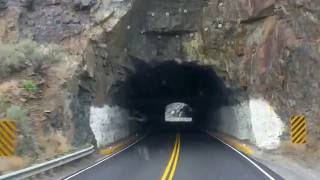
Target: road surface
{"type": "Point", "coordinates": [179, 156]}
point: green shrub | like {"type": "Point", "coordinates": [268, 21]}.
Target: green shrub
{"type": "Point", "coordinates": [27, 145]}
{"type": "Point", "coordinates": [27, 53]}
{"type": "Point", "coordinates": [30, 86]}
{"type": "Point", "coordinates": [17, 113]}
{"type": "Point", "coordinates": [10, 59]}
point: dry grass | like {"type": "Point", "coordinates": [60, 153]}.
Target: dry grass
{"type": "Point", "coordinates": [312, 146]}
{"type": "Point", "coordinates": [53, 145]}
{"type": "Point", "coordinates": [308, 153]}
{"type": "Point", "coordinates": [291, 149]}
{"type": "Point", "coordinates": [27, 53]}
{"type": "Point", "coordinates": [12, 163]}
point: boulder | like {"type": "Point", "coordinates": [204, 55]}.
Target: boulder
{"type": "Point", "coordinates": [28, 4]}
{"type": "Point", "coordinates": [251, 10]}
{"type": "Point", "coordinates": [3, 4]}
{"type": "Point", "coordinates": [83, 4]}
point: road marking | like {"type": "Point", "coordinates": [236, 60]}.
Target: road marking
{"type": "Point", "coordinates": [244, 156]}
{"type": "Point", "coordinates": [104, 159]}
{"type": "Point", "coordinates": [171, 166]}
{"type": "Point", "coordinates": [175, 160]}
{"type": "Point", "coordinates": [167, 170]}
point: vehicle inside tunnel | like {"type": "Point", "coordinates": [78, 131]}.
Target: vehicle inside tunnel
{"type": "Point", "coordinates": [152, 87]}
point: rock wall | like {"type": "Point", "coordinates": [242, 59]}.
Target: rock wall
{"type": "Point", "coordinates": [268, 52]}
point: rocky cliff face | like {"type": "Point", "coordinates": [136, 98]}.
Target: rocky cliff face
{"type": "Point", "coordinates": [263, 49]}
{"type": "Point", "coordinates": [266, 50]}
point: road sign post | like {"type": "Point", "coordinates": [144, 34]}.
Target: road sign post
{"type": "Point", "coordinates": [298, 130]}
{"type": "Point", "coordinates": [8, 137]}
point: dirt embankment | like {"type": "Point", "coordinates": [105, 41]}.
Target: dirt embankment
{"type": "Point", "coordinates": [33, 88]}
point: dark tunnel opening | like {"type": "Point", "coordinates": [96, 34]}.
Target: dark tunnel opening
{"type": "Point", "coordinates": [153, 86]}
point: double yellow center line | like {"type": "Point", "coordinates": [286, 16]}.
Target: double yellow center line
{"type": "Point", "coordinates": [172, 165]}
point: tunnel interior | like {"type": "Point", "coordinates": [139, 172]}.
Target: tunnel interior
{"type": "Point", "coordinates": [153, 86]}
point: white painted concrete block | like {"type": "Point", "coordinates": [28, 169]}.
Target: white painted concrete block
{"type": "Point", "coordinates": [267, 126]}
{"type": "Point", "coordinates": [110, 124]}
{"type": "Point", "coordinates": [254, 120]}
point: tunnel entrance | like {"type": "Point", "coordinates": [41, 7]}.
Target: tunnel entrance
{"type": "Point", "coordinates": [162, 52]}
{"type": "Point", "coordinates": [152, 87]}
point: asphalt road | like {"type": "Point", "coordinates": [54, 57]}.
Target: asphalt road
{"type": "Point", "coordinates": [187, 156]}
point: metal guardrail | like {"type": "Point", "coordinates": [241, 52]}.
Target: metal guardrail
{"type": "Point", "coordinates": [40, 168]}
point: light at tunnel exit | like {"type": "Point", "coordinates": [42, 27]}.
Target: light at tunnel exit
{"type": "Point", "coordinates": [178, 112]}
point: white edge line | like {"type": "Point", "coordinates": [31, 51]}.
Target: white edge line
{"type": "Point", "coordinates": [244, 156]}
{"type": "Point", "coordinates": [104, 159]}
